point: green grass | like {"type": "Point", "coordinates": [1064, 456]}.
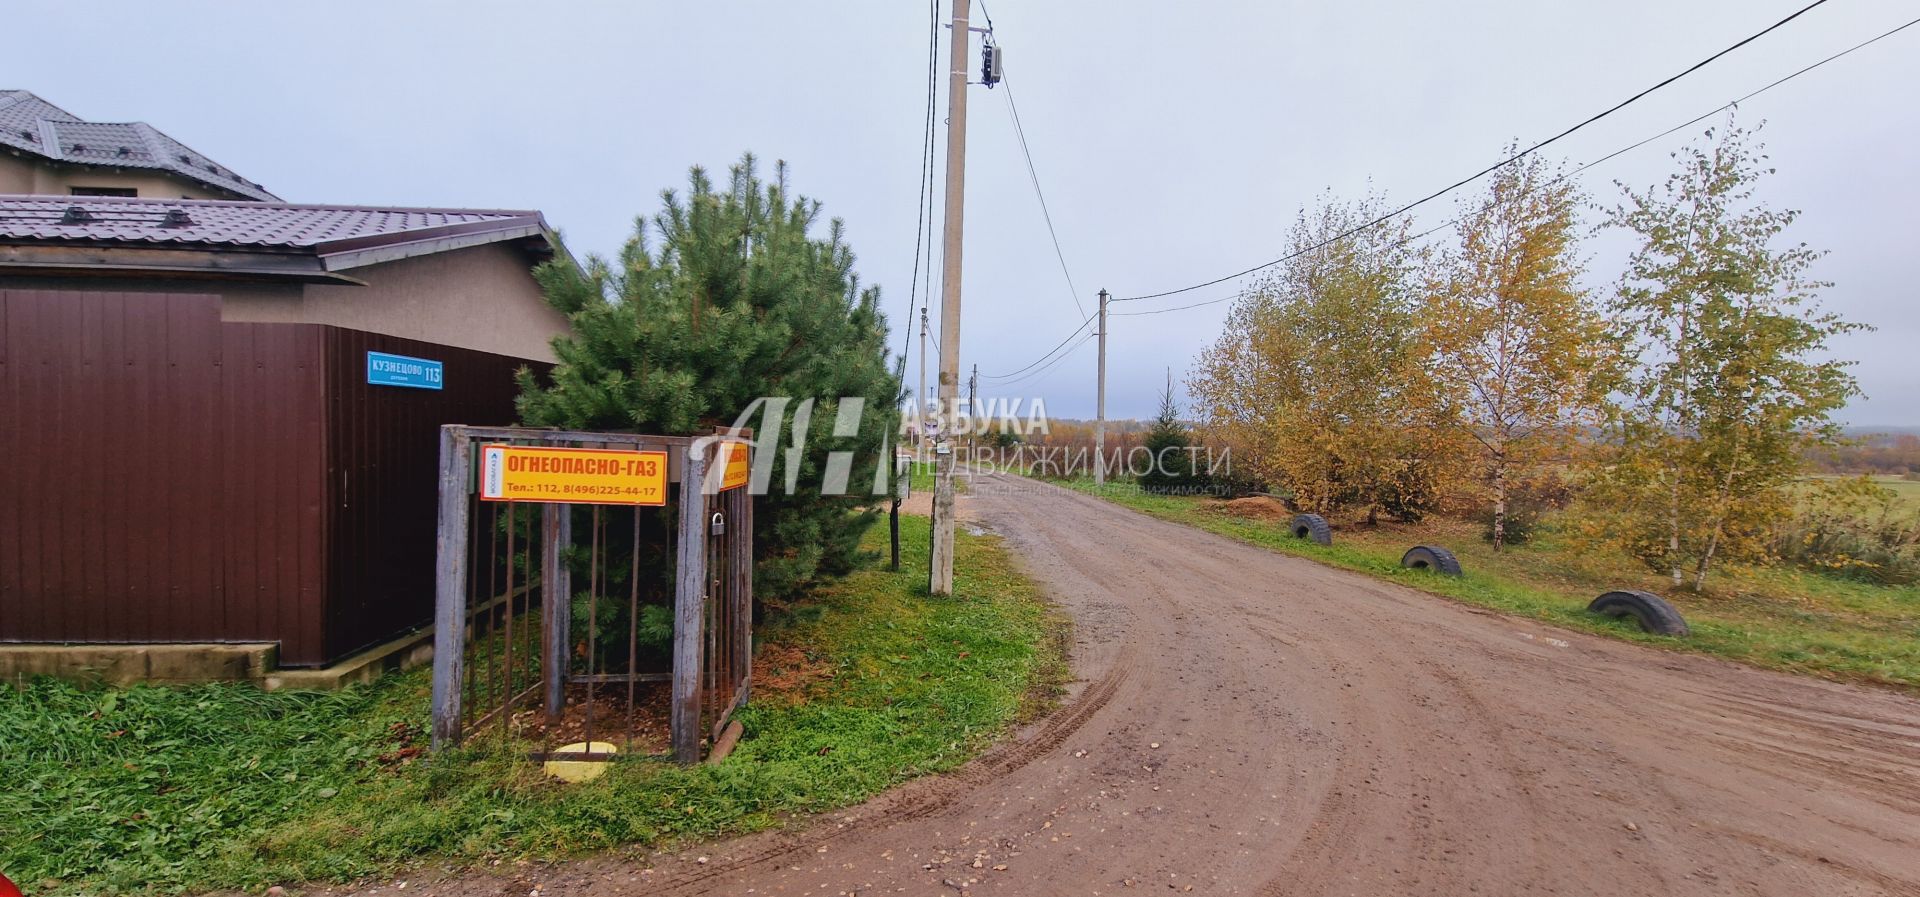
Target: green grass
{"type": "Point", "coordinates": [1906, 493]}
{"type": "Point", "coordinates": [1781, 619]}
{"type": "Point", "coordinates": [225, 786]}
{"type": "Point", "coordinates": [920, 475]}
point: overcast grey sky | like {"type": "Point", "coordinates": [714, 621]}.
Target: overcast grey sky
{"type": "Point", "coordinates": [1174, 141]}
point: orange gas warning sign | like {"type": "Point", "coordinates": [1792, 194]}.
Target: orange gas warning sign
{"type": "Point", "coordinates": [572, 475]}
{"type": "Point", "coordinates": [738, 465]}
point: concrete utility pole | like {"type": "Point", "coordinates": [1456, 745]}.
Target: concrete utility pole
{"type": "Point", "coordinates": [1100, 404]}
{"type": "Point", "coordinates": [920, 397]}
{"type": "Point", "coordinates": [973, 405]}
{"type": "Point", "coordinates": [940, 578]}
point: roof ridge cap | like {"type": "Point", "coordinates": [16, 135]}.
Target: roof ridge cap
{"type": "Point", "coordinates": [49, 139]}
{"type": "Point", "coordinates": [257, 204]}
{"type": "Point", "coordinates": [149, 138]}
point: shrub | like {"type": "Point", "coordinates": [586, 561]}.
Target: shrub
{"type": "Point", "coordinates": [1234, 481]}
{"type": "Point", "coordinates": [1853, 528]}
{"type": "Point", "coordinates": [1528, 503]}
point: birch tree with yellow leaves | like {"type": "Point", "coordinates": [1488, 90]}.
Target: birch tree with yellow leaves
{"type": "Point", "coordinates": [1511, 336]}
{"type": "Point", "coordinates": [1317, 381]}
{"type": "Point", "coordinates": [1733, 383]}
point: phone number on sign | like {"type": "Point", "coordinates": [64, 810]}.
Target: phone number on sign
{"type": "Point", "coordinates": [571, 489]}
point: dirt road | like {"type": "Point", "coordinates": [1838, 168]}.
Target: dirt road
{"type": "Point", "coordinates": [1250, 723]}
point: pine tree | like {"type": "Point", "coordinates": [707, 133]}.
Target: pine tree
{"type": "Point", "coordinates": [1172, 468]}
{"type": "Point", "coordinates": [727, 298]}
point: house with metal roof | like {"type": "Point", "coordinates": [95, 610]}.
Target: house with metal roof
{"type": "Point", "coordinates": [221, 417]}
{"type": "Point", "coordinates": [47, 150]}
{"type": "Point", "coordinates": [459, 277]}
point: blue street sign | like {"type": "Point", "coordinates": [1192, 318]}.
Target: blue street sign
{"type": "Point", "coordinates": [401, 370]}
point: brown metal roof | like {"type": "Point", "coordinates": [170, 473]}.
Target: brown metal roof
{"type": "Point", "coordinates": [43, 231]}
{"type": "Point", "coordinates": [33, 125]}
{"type": "Point", "coordinates": [219, 222]}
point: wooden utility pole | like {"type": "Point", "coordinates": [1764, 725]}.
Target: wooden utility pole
{"type": "Point", "coordinates": [940, 578]}
{"type": "Point", "coordinates": [1100, 404]}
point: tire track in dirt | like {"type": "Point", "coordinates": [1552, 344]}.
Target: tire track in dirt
{"type": "Point", "coordinates": [927, 796]}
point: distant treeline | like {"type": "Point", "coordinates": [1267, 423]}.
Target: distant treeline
{"type": "Point", "coordinates": [1881, 454]}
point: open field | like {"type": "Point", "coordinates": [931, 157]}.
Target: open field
{"type": "Point", "coordinates": [1777, 618]}
{"type": "Point", "coordinates": [172, 789]}
{"type": "Point", "coordinates": [1906, 492]}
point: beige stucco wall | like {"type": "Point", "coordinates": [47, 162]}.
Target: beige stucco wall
{"type": "Point", "coordinates": [23, 175]}
{"type": "Point", "coordinates": [16, 176]}
{"type": "Point", "coordinates": [481, 297]}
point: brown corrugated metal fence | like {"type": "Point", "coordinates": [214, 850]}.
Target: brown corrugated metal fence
{"type": "Point", "coordinates": [162, 473]}
{"type": "Point", "coordinates": [167, 477]}
{"type": "Point", "coordinates": [383, 446]}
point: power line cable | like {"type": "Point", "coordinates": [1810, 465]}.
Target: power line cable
{"type": "Point", "coordinates": [1033, 175]}
{"type": "Point", "coordinates": [1395, 244]}
{"type": "Point", "coordinates": [1732, 103]}
{"type": "Point", "coordinates": [1576, 171]}
{"type": "Point", "coordinates": [1049, 352]}
{"type": "Point", "coordinates": [931, 147]}
{"type": "Point", "coordinates": [926, 287]}
{"type": "Point", "coordinates": [1162, 311]}
{"type": "Point", "coordinates": [1040, 376]}
{"type": "Point", "coordinates": [1491, 168]}
{"type": "Point", "coordinates": [922, 207]}
{"type": "Point", "coordinates": [1049, 366]}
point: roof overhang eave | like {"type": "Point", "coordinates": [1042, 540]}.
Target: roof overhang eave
{"type": "Point", "coordinates": [360, 252]}
{"type": "Point", "coordinates": [27, 260]}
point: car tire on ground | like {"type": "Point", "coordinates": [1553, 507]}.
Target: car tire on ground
{"type": "Point", "coordinates": [1431, 557]}
{"type": "Point", "coordinates": [1312, 526]}
{"type": "Point", "coordinates": [1651, 611]}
